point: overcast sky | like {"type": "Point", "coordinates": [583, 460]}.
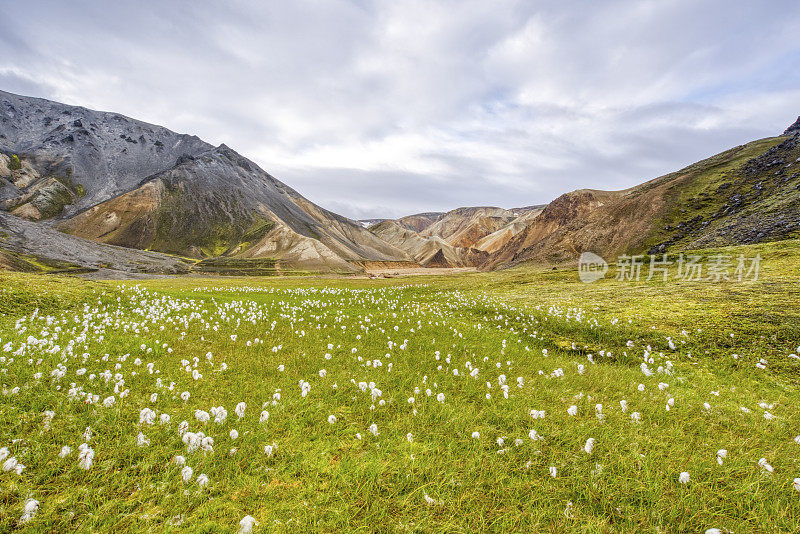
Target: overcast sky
{"type": "Point", "coordinates": [381, 109]}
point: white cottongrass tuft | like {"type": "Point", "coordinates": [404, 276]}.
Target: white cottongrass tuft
{"type": "Point", "coordinates": [589, 447]}
{"type": "Point", "coordinates": [31, 506]}
{"type": "Point", "coordinates": [246, 524]}
{"type": "Point", "coordinates": [85, 456]}
{"type": "Point", "coordinates": [684, 478]}
{"type": "Point", "coordinates": [476, 435]}
{"type": "Point", "coordinates": [186, 474]}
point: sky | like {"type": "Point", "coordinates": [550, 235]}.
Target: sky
{"type": "Point", "coordinates": [383, 109]}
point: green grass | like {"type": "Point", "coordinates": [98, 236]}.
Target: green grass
{"type": "Point", "coordinates": [321, 477]}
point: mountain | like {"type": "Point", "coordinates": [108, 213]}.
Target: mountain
{"type": "Point", "coordinates": [428, 251]}
{"type": "Point", "coordinates": [463, 227]}
{"type": "Point", "coordinates": [116, 180]}
{"type": "Point", "coordinates": [420, 221]}
{"type": "Point", "coordinates": [748, 194]}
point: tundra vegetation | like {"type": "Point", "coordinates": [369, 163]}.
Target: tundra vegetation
{"type": "Point", "coordinates": [519, 400]}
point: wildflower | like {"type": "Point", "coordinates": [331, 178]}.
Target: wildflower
{"type": "Point", "coordinates": [186, 474]}
{"type": "Point", "coordinates": [202, 480]}
{"type": "Point", "coordinates": [763, 463]}
{"type": "Point", "coordinates": [589, 446]}
{"type": "Point", "coordinates": [440, 397]}
{"type": "Point", "coordinates": [202, 416]}
{"type": "Point", "coordinates": [636, 417]}
{"type": "Point", "coordinates": [85, 456]}
{"type": "Point", "coordinates": [476, 435]}
{"type": "Point", "coordinates": [185, 396]}
{"type": "Point", "coordinates": [246, 524]}
{"type": "Point", "coordinates": [572, 410]}
{"type": "Point", "coordinates": [31, 506]}
{"type": "Point", "coordinates": [10, 464]}
{"type": "Point", "coordinates": [264, 416]}
{"type": "Point", "coordinates": [331, 419]}
{"type": "Point", "coordinates": [180, 460]}
{"type": "Point", "coordinates": [65, 450]}
{"type": "Point", "coordinates": [142, 441]}
{"type": "Point", "coordinates": [684, 478]}
{"type": "Point", "coordinates": [240, 408]}
{"type": "Point", "coordinates": [410, 437]}
{"type": "Point", "coordinates": [796, 484]}
{"type": "Point", "coordinates": [640, 387]}
{"type": "Point", "coordinates": [269, 450]}
{"type": "Point", "coordinates": [373, 428]}
{"type": "Point", "coordinates": [4, 453]}
{"type": "Point", "coordinates": [534, 435]}
{"type": "Point", "coordinates": [624, 405]}
{"type": "Point", "coordinates": [164, 418]}
{"type": "Point", "coordinates": [233, 433]}
{"type": "Point", "coordinates": [721, 454]}
{"type": "Point", "coordinates": [553, 472]}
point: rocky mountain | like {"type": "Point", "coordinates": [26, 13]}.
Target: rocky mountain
{"type": "Point", "coordinates": [111, 179]}
{"type": "Point", "coordinates": [428, 251]}
{"type": "Point", "coordinates": [747, 194]}
{"type": "Point", "coordinates": [794, 128]}
{"type": "Point", "coordinates": [420, 221]}
{"type": "Point", "coordinates": [463, 227]}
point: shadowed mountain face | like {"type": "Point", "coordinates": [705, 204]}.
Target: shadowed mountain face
{"type": "Point", "coordinates": [105, 153]}
{"type": "Point", "coordinates": [116, 180]}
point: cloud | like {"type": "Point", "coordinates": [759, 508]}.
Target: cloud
{"type": "Point", "coordinates": [372, 108]}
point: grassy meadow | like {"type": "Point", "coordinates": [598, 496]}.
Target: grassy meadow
{"type": "Point", "coordinates": [519, 400]}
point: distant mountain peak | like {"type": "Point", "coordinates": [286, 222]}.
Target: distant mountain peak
{"type": "Point", "coordinates": [794, 128]}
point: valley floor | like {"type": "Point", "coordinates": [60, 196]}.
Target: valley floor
{"type": "Point", "coordinates": [520, 400]}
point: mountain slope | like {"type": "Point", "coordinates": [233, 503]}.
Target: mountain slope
{"type": "Point", "coordinates": [744, 195]}
{"type": "Point", "coordinates": [220, 203]}
{"type": "Point", "coordinates": [115, 180]}
{"type": "Point", "coordinates": [428, 251]}
{"type": "Point", "coordinates": [464, 227]}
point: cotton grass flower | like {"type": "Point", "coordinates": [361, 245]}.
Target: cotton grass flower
{"type": "Point", "coordinates": [373, 428]}
{"type": "Point", "coordinates": [331, 419]}
{"type": "Point", "coordinates": [572, 410]}
{"type": "Point", "coordinates": [765, 466]}
{"type": "Point", "coordinates": [65, 450]}
{"type": "Point", "coordinates": [246, 524]}
{"type": "Point", "coordinates": [233, 433]}
{"type": "Point", "coordinates": [589, 447]}
{"type": "Point", "coordinates": [202, 480]}
{"type": "Point", "coordinates": [721, 455]}
{"type": "Point", "coordinates": [29, 511]}
{"type": "Point", "coordinates": [142, 441]}
{"type": "Point", "coordinates": [476, 435]}
{"type": "Point", "coordinates": [186, 474]}
{"type": "Point", "coordinates": [239, 410]}
{"type": "Point", "coordinates": [796, 484]}
{"type": "Point", "coordinates": [684, 477]}
{"type": "Point", "coordinates": [85, 456]}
